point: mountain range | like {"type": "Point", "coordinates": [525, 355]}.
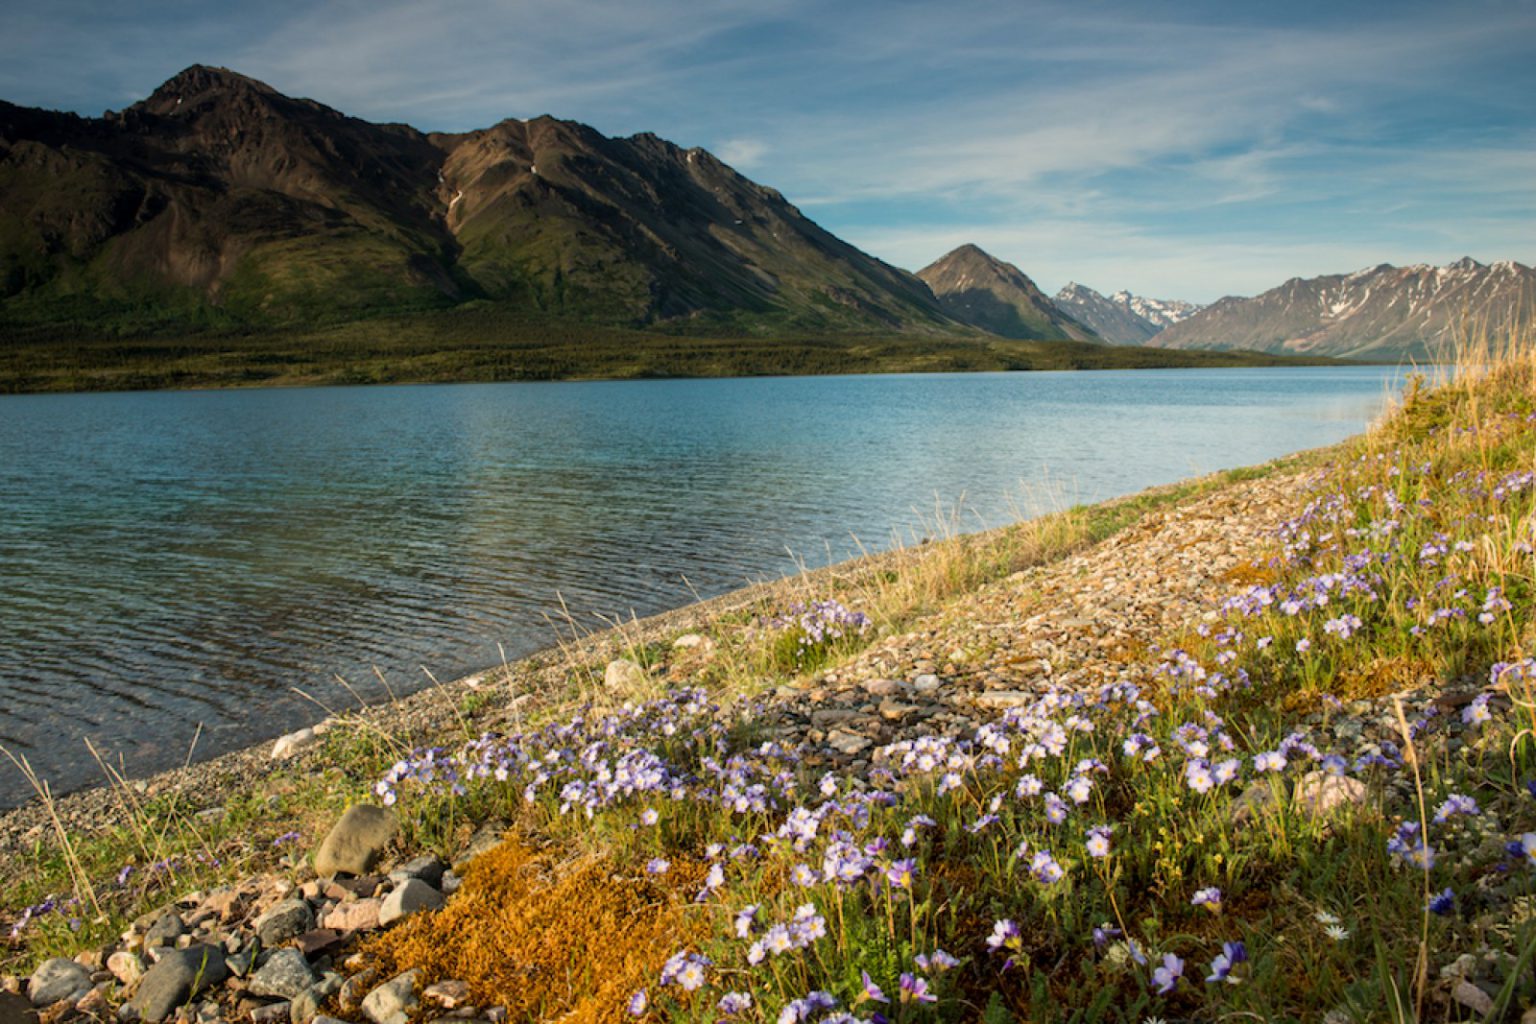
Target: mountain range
{"type": "Point", "coordinates": [1381, 312]}
{"type": "Point", "coordinates": [219, 204]}
{"type": "Point", "coordinates": [1121, 318]}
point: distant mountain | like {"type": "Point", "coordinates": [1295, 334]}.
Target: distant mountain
{"type": "Point", "coordinates": [220, 200]}
{"type": "Point", "coordinates": [1382, 312]}
{"type": "Point", "coordinates": [983, 291]}
{"type": "Point", "coordinates": [1121, 318]}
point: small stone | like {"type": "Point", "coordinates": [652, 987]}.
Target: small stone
{"type": "Point", "coordinates": [393, 1001]}
{"type": "Point", "coordinates": [624, 678]}
{"type": "Point", "coordinates": [58, 979]}
{"type": "Point", "coordinates": [319, 942]}
{"type": "Point", "coordinates": [926, 683]}
{"type": "Point", "coordinates": [179, 976]}
{"type": "Point", "coordinates": [305, 1006]}
{"type": "Point", "coordinates": [448, 994]}
{"type": "Point", "coordinates": [126, 967]}
{"type": "Point", "coordinates": [322, 1019]}
{"type": "Point", "coordinates": [895, 711]}
{"type": "Point", "coordinates": [357, 916]}
{"type": "Point", "coordinates": [284, 921]}
{"type": "Point", "coordinates": [94, 1004]}
{"type": "Point", "coordinates": [997, 700]}
{"type": "Point", "coordinates": [1473, 998]}
{"type": "Point", "coordinates": [848, 743]}
{"type": "Point", "coordinates": [356, 842]}
{"type": "Point", "coordinates": [293, 742]}
{"type": "Point", "coordinates": [285, 974]}
{"type": "Point", "coordinates": [693, 641]}
{"type": "Point", "coordinates": [270, 1013]}
{"type": "Point", "coordinates": [240, 964]}
{"type": "Point", "coordinates": [165, 931]}
{"type": "Point", "coordinates": [1320, 793]}
{"type": "Point", "coordinates": [882, 687]}
{"type": "Point", "coordinates": [412, 896]}
{"type": "Point", "coordinates": [429, 869]}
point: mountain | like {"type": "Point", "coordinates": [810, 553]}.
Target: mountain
{"type": "Point", "coordinates": [1381, 312]}
{"type": "Point", "coordinates": [983, 291]}
{"type": "Point", "coordinates": [218, 200]}
{"type": "Point", "coordinates": [1121, 318]}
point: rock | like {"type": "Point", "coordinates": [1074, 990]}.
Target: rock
{"type": "Point", "coordinates": [126, 967]}
{"type": "Point", "coordinates": [998, 700]}
{"type": "Point", "coordinates": [393, 1001]}
{"type": "Point", "coordinates": [1320, 793]}
{"type": "Point", "coordinates": [270, 1013]}
{"type": "Point", "coordinates": [848, 743]}
{"type": "Point", "coordinates": [412, 896]}
{"type": "Point", "coordinates": [926, 683]}
{"type": "Point", "coordinates": [293, 742]}
{"type": "Point", "coordinates": [285, 974]}
{"type": "Point", "coordinates": [355, 843]}
{"type": "Point", "coordinates": [895, 711]}
{"type": "Point", "coordinates": [825, 717]}
{"type": "Point", "coordinates": [179, 976]}
{"type": "Point", "coordinates": [15, 1009]}
{"type": "Point", "coordinates": [449, 994]}
{"type": "Point", "coordinates": [429, 869]}
{"type": "Point", "coordinates": [305, 1007]}
{"type": "Point", "coordinates": [357, 916]}
{"type": "Point", "coordinates": [693, 641]}
{"type": "Point", "coordinates": [1473, 998]}
{"type": "Point", "coordinates": [624, 678]}
{"type": "Point", "coordinates": [322, 1019]}
{"type": "Point", "coordinates": [319, 942]}
{"type": "Point", "coordinates": [284, 921]}
{"type": "Point", "coordinates": [94, 1004]}
{"type": "Point", "coordinates": [164, 932]}
{"type": "Point", "coordinates": [882, 687]}
{"type": "Point", "coordinates": [58, 979]}
{"type": "Point", "coordinates": [241, 963]}
{"type": "Point", "coordinates": [486, 837]}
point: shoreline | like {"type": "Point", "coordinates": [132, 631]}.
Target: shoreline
{"type": "Point", "coordinates": [541, 678]}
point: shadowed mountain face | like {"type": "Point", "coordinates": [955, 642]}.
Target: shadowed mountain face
{"type": "Point", "coordinates": [1382, 312]}
{"type": "Point", "coordinates": [978, 289]}
{"type": "Point", "coordinates": [219, 198]}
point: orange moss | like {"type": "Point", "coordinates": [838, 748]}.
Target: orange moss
{"type": "Point", "coordinates": [1252, 574]}
{"type": "Point", "coordinates": [548, 937]}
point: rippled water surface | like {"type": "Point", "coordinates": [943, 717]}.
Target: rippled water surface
{"type": "Point", "coordinates": [173, 559]}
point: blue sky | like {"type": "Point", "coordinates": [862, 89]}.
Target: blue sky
{"type": "Point", "coordinates": [1178, 149]}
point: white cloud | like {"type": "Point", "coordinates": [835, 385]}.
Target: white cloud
{"type": "Point", "coordinates": [742, 154]}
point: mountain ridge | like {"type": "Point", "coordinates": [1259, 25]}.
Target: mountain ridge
{"type": "Point", "coordinates": [978, 289]}
{"type": "Point", "coordinates": [1121, 318]}
{"type": "Point", "coordinates": [1382, 311]}
{"type": "Point", "coordinates": [218, 198]}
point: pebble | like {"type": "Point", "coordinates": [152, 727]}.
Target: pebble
{"type": "Point", "coordinates": [288, 745]}
{"type": "Point", "coordinates": [1320, 793]}
{"type": "Point", "coordinates": [178, 976]}
{"type": "Point", "coordinates": [429, 869]}
{"type": "Point", "coordinates": [1473, 998]}
{"type": "Point", "coordinates": [284, 975]}
{"type": "Point", "coordinates": [284, 921]}
{"type": "Point", "coordinates": [165, 931]}
{"type": "Point", "coordinates": [412, 896]}
{"type": "Point", "coordinates": [355, 916]}
{"type": "Point", "coordinates": [58, 979]}
{"type": "Point", "coordinates": [126, 967]}
{"type": "Point", "coordinates": [393, 1001]}
{"type": "Point", "coordinates": [624, 678]}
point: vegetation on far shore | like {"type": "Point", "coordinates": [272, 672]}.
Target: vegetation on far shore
{"type": "Point", "coordinates": [1122, 854]}
{"type": "Point", "coordinates": [486, 342]}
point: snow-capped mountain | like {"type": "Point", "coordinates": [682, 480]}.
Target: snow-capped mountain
{"type": "Point", "coordinates": [1122, 318]}
{"type": "Point", "coordinates": [1381, 312]}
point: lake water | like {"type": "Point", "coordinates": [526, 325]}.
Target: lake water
{"type": "Point", "coordinates": [171, 559]}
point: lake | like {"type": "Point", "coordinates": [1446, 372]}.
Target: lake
{"type": "Point", "coordinates": [176, 559]}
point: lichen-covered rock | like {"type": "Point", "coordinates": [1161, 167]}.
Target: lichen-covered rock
{"type": "Point", "coordinates": [393, 1001]}
{"type": "Point", "coordinates": [58, 979]}
{"type": "Point", "coordinates": [284, 921]}
{"type": "Point", "coordinates": [285, 974]}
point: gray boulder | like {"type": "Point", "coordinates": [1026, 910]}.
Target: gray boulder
{"type": "Point", "coordinates": [179, 976]}
{"type": "Point", "coordinates": [355, 843]}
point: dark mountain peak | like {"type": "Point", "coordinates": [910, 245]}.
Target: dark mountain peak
{"type": "Point", "coordinates": [1465, 263]}
{"type": "Point", "coordinates": [979, 289]}
{"type": "Point", "coordinates": [199, 85]}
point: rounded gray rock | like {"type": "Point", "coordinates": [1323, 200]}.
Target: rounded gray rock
{"type": "Point", "coordinates": [284, 921]}
{"type": "Point", "coordinates": [179, 976]}
{"type": "Point", "coordinates": [413, 895]}
{"type": "Point", "coordinates": [393, 1001]}
{"type": "Point", "coordinates": [57, 979]}
{"type": "Point", "coordinates": [355, 843]}
{"type": "Point", "coordinates": [165, 931]}
{"type": "Point", "coordinates": [285, 974]}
